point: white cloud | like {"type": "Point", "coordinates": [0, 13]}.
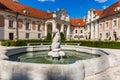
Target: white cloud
{"type": "Point", "coordinates": [104, 7]}
{"type": "Point", "coordinates": [46, 0]}
{"type": "Point", "coordinates": [101, 1]}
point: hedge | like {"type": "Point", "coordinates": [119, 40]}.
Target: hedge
{"type": "Point", "coordinates": [98, 44]}
{"type": "Point", "coordinates": [22, 42]}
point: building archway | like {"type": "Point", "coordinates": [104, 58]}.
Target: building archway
{"type": "Point", "coordinates": [49, 27]}
{"type": "Point", "coordinates": [59, 26]}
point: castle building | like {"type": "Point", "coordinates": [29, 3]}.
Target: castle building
{"type": "Point", "coordinates": [104, 24]}
{"type": "Point", "coordinates": [18, 21]}
{"type": "Point", "coordinates": [78, 28]}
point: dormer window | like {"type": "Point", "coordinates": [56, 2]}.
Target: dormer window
{"type": "Point", "coordinates": [25, 11]}
{"type": "Point", "coordinates": [15, 0]}
{"type": "Point", "coordinates": [117, 9]}
{"type": "Point", "coordinates": [78, 24]}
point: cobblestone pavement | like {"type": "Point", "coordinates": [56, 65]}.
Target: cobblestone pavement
{"type": "Point", "coordinates": [113, 73]}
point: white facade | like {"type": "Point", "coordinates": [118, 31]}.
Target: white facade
{"type": "Point", "coordinates": [30, 33]}
{"type": "Point", "coordinates": [102, 28]}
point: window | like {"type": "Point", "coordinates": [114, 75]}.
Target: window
{"type": "Point", "coordinates": [117, 9]}
{"type": "Point", "coordinates": [115, 23]}
{"type": "Point", "coordinates": [75, 31]}
{"type": "Point", "coordinates": [100, 35]}
{"type": "Point", "coordinates": [27, 35]}
{"type": "Point", "coordinates": [27, 26]}
{"type": "Point", "coordinates": [106, 24]}
{"type": "Point", "coordinates": [39, 27]}
{"type": "Point", "coordinates": [81, 31]}
{"type": "Point", "coordinates": [107, 35]}
{"type": "Point", "coordinates": [39, 35]}
{"type": "Point", "coordinates": [100, 26]}
{"type": "Point", "coordinates": [11, 36]}
{"type": "Point", "coordinates": [10, 23]}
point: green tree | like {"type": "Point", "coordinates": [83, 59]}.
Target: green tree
{"type": "Point", "coordinates": [48, 36]}
{"type": "Point", "coordinates": [62, 36]}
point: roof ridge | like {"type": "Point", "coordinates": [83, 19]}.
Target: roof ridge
{"type": "Point", "coordinates": [31, 7]}
{"type": "Point", "coordinates": [18, 7]}
{"type": "Point", "coordinates": [112, 5]}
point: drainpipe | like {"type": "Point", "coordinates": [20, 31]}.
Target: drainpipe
{"type": "Point", "coordinates": [16, 36]}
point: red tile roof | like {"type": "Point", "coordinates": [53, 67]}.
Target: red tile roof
{"type": "Point", "coordinates": [110, 10]}
{"type": "Point", "coordinates": [98, 12]}
{"type": "Point", "coordinates": [17, 7]}
{"type": "Point", "coordinates": [78, 22]}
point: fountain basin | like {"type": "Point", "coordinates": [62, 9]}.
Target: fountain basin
{"type": "Point", "coordinates": [76, 71]}
{"type": "Point", "coordinates": [42, 57]}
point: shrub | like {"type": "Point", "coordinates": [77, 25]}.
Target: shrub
{"type": "Point", "coordinates": [62, 36]}
{"type": "Point", "coordinates": [98, 44]}
{"type": "Point", "coordinates": [5, 43]}
{"type": "Point", "coordinates": [49, 37]}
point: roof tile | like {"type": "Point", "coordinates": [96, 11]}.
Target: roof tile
{"type": "Point", "coordinates": [78, 22]}
{"type": "Point", "coordinates": [17, 7]}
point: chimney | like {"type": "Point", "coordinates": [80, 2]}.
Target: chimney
{"type": "Point", "coordinates": [84, 19]}
{"type": "Point", "coordinates": [15, 0]}
{"type": "Point", "coordinates": [48, 10]}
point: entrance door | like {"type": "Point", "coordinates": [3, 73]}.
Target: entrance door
{"type": "Point", "coordinates": [11, 36]}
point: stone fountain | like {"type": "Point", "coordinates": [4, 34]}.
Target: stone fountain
{"type": "Point", "coordinates": [56, 46]}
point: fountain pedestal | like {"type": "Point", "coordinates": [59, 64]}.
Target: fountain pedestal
{"type": "Point", "coordinates": [56, 50]}
{"type": "Point", "coordinates": [56, 53]}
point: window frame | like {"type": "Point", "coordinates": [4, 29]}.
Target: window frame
{"type": "Point", "coordinates": [11, 24]}
{"type": "Point", "coordinates": [27, 35]}
{"type": "Point", "coordinates": [27, 26]}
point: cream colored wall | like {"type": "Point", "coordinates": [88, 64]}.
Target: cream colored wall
{"type": "Point", "coordinates": [78, 33]}
{"type": "Point", "coordinates": [22, 31]}
{"type": "Point", "coordinates": [110, 29]}
{"type": "Point", "coordinates": [95, 35]}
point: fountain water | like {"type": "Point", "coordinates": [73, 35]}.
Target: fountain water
{"type": "Point", "coordinates": [56, 52]}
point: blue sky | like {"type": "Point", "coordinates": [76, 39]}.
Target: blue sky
{"type": "Point", "coordinates": [75, 8]}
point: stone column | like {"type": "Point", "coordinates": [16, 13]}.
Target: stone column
{"type": "Point", "coordinates": [53, 25]}
{"type": "Point", "coordinates": [45, 30]}
{"type": "Point", "coordinates": [42, 29]}
{"type": "Point", "coordinates": [97, 31]}
{"type": "Point", "coordinates": [92, 31]}
{"type": "Point", "coordinates": [68, 32]}
{"type": "Point", "coordinates": [62, 28]}
{"type": "Point", "coordinates": [16, 28]}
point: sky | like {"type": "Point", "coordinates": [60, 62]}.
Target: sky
{"type": "Point", "coordinates": [75, 8]}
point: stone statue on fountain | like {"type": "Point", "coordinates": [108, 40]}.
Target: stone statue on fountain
{"type": "Point", "coordinates": [56, 45]}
